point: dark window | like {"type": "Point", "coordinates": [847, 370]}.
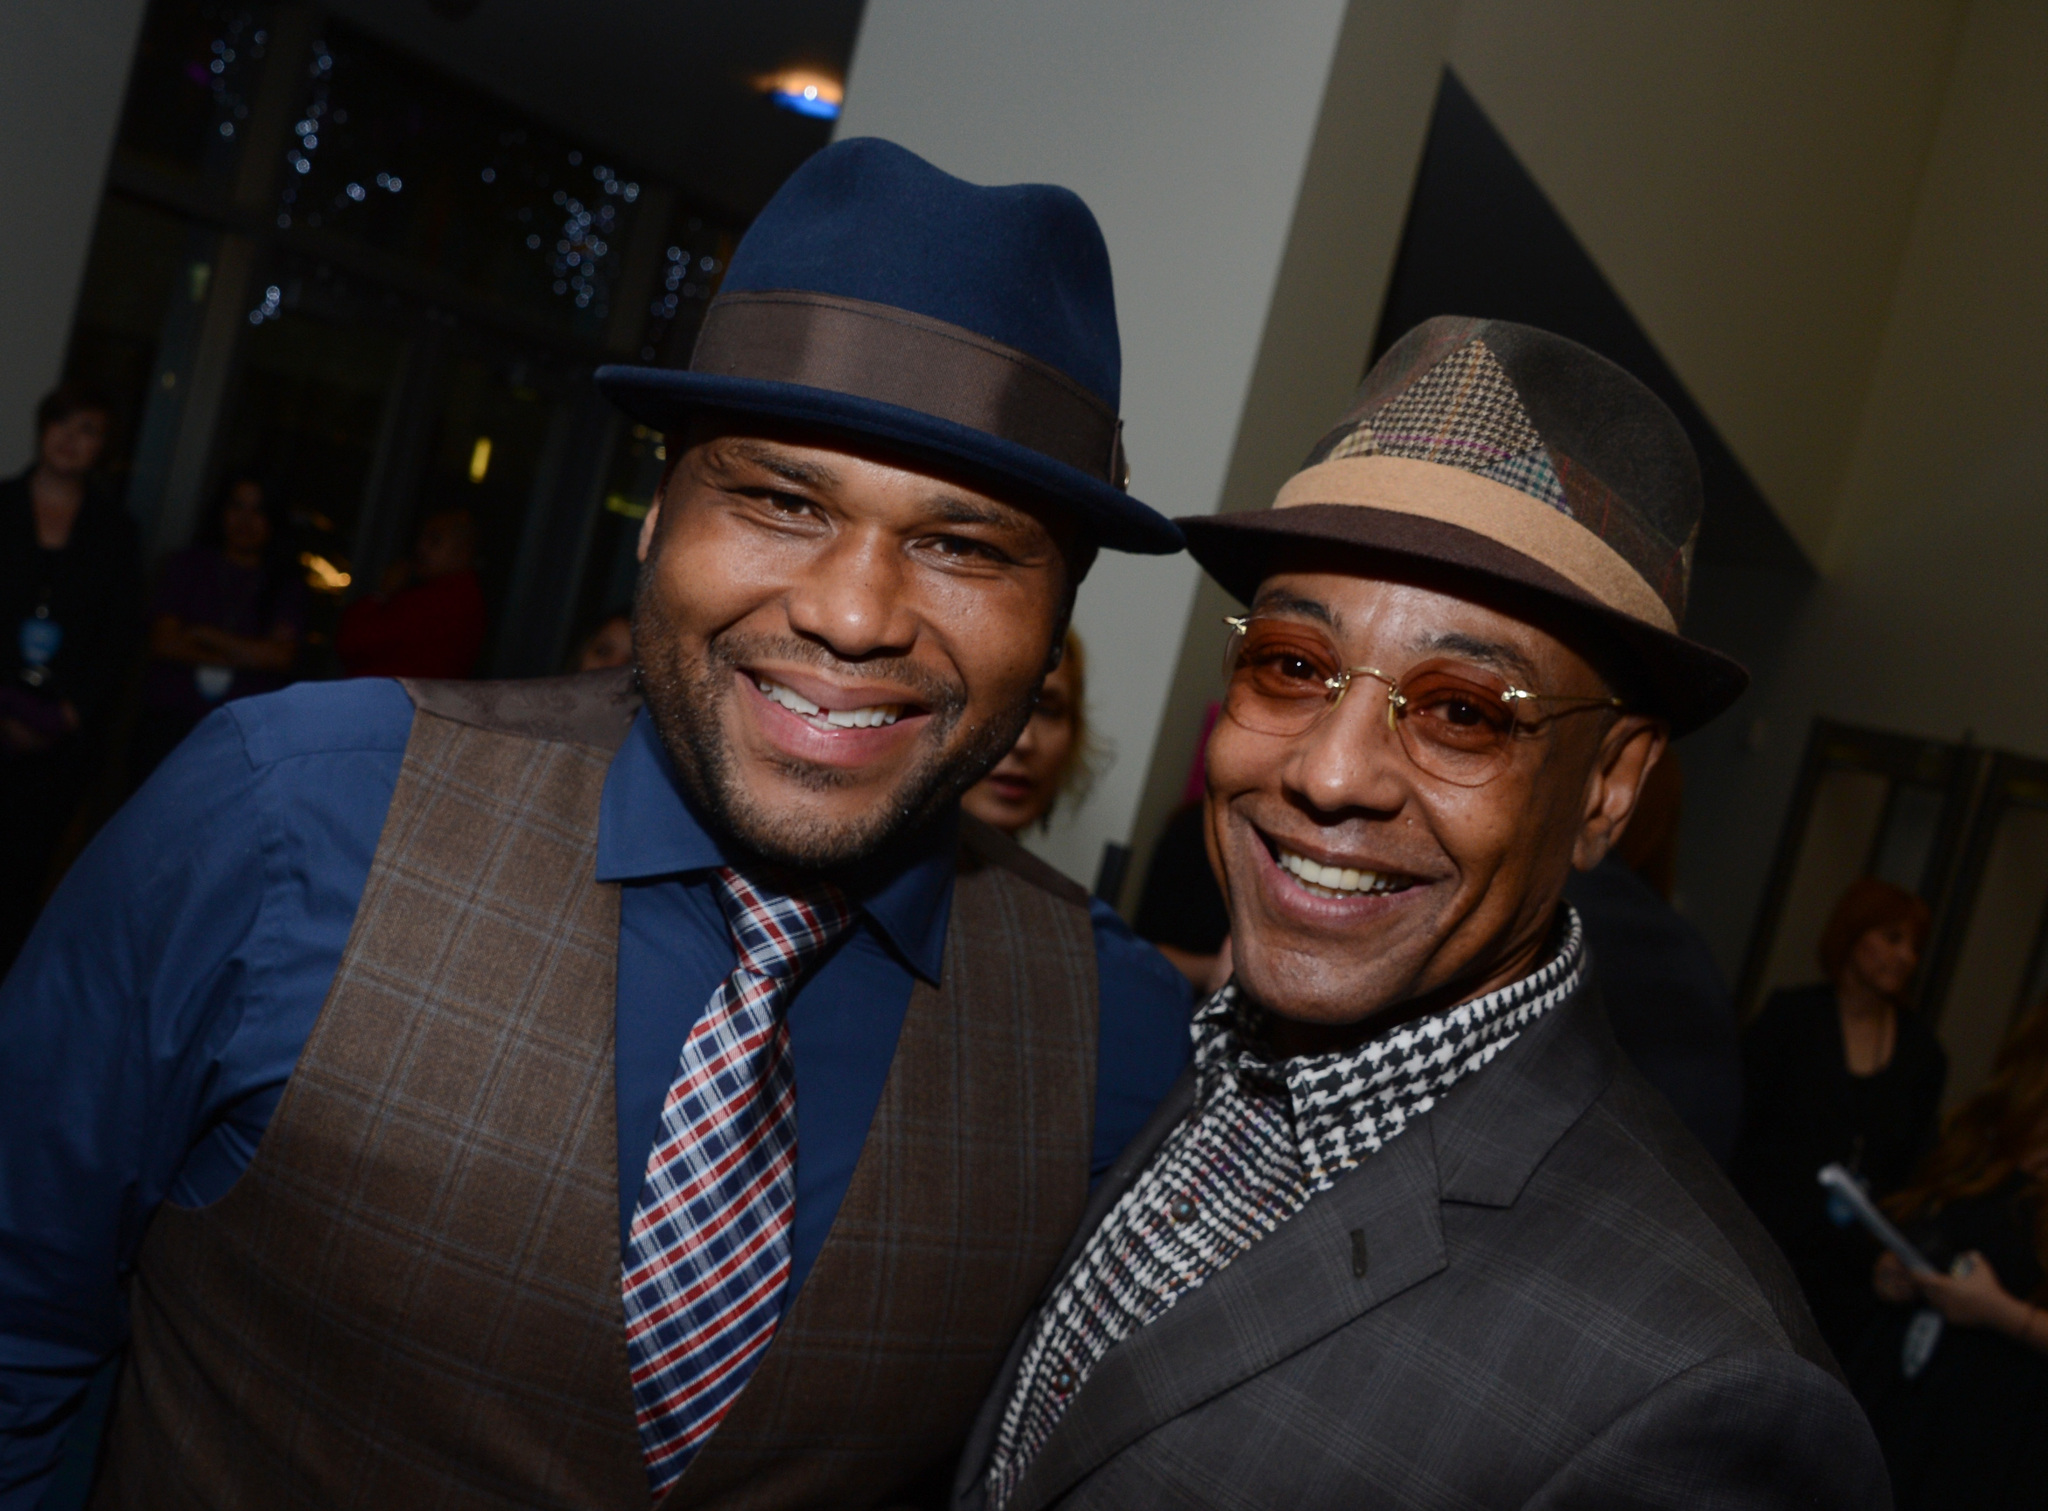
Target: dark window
{"type": "Point", "coordinates": [393, 156]}
{"type": "Point", "coordinates": [192, 88]}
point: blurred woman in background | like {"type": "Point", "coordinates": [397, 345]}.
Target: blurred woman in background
{"type": "Point", "coordinates": [70, 580]}
{"type": "Point", "coordinates": [1971, 1428]}
{"type": "Point", "coordinates": [225, 623]}
{"type": "Point", "coordinates": [1840, 1072]}
{"type": "Point", "coordinates": [1052, 759]}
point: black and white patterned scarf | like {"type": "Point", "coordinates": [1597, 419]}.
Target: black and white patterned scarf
{"type": "Point", "coordinates": [1348, 1105]}
{"type": "Point", "coordinates": [1263, 1137]}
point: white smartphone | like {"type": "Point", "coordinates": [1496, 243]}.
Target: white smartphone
{"type": "Point", "coordinates": [1844, 1185]}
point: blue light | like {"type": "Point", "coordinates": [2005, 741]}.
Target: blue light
{"type": "Point", "coordinates": [806, 101]}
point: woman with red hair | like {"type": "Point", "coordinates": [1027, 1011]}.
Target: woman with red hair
{"type": "Point", "coordinates": [1966, 1429]}
{"type": "Point", "coordinates": [1840, 1071]}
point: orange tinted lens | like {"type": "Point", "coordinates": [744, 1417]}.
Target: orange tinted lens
{"type": "Point", "coordinates": [1279, 677]}
{"type": "Point", "coordinates": [1455, 715]}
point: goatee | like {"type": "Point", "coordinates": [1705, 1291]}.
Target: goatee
{"type": "Point", "coordinates": [686, 700]}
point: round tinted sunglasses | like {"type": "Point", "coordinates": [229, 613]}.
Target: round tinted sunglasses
{"type": "Point", "coordinates": [1457, 722]}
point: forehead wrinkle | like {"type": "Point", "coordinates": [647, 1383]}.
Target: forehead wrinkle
{"type": "Point", "coordinates": [1490, 653]}
{"type": "Point", "coordinates": [784, 464]}
{"type": "Point", "coordinates": [956, 510]}
{"type": "Point", "coordinates": [1281, 600]}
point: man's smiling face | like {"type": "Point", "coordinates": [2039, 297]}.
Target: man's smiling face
{"type": "Point", "coordinates": [833, 644]}
{"type": "Point", "coordinates": [1456, 886]}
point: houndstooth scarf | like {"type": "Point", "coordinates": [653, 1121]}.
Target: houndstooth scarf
{"type": "Point", "coordinates": [1347, 1105]}
{"type": "Point", "coordinates": [1263, 1138]}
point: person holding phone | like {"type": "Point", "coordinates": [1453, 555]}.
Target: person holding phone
{"type": "Point", "coordinates": [1966, 1429]}
{"type": "Point", "coordinates": [1841, 1071]}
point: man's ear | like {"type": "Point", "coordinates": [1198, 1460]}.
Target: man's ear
{"type": "Point", "coordinates": [651, 526]}
{"type": "Point", "coordinates": [1632, 746]}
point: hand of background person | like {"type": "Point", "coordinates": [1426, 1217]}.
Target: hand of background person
{"type": "Point", "coordinates": [1892, 1281]}
{"type": "Point", "coordinates": [272, 652]}
{"type": "Point", "coordinates": [24, 738]}
{"type": "Point", "coordinates": [21, 739]}
{"type": "Point", "coordinates": [211, 642]}
{"type": "Point", "coordinates": [1970, 1295]}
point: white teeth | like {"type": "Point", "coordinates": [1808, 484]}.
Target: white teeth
{"type": "Point", "coordinates": [1335, 881]}
{"type": "Point", "coordinates": [789, 698]}
{"type": "Point", "coordinates": [837, 718]}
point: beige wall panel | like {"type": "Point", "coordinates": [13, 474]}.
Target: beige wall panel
{"type": "Point", "coordinates": [1941, 555]}
{"type": "Point", "coordinates": [63, 68]}
{"type": "Point", "coordinates": [1745, 173]}
{"type": "Point", "coordinates": [1934, 616]}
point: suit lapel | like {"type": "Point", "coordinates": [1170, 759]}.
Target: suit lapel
{"type": "Point", "coordinates": [1288, 1290]}
{"type": "Point", "coordinates": [1494, 1130]}
{"type": "Point", "coordinates": [1299, 1284]}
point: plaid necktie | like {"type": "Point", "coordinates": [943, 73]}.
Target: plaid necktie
{"type": "Point", "coordinates": [708, 1256]}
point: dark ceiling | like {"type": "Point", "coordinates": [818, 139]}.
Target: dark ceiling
{"type": "Point", "coordinates": [664, 83]}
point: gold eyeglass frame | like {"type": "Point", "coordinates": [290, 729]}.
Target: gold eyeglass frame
{"type": "Point", "coordinates": [1341, 684]}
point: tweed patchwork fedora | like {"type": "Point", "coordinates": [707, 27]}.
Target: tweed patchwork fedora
{"type": "Point", "coordinates": [1519, 457]}
{"type": "Point", "coordinates": [878, 296]}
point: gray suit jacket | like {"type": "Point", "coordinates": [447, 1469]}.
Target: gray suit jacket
{"type": "Point", "coordinates": [1541, 1294]}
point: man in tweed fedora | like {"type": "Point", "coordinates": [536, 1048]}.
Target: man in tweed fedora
{"type": "Point", "coordinates": [510, 1095]}
{"type": "Point", "coordinates": [1411, 1233]}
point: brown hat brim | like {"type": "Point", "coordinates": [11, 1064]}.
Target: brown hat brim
{"type": "Point", "coordinates": [1688, 683]}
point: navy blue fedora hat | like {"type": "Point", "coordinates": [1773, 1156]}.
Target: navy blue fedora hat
{"type": "Point", "coordinates": [876, 295]}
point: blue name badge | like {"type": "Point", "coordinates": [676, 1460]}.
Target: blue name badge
{"type": "Point", "coordinates": [39, 641]}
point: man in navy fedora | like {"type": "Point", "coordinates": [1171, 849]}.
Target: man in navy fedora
{"type": "Point", "coordinates": [624, 1087]}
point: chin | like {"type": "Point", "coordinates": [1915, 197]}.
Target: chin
{"type": "Point", "coordinates": [1298, 985]}
{"type": "Point", "coordinates": [793, 824]}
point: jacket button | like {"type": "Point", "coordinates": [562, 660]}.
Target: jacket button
{"type": "Point", "coordinates": [1063, 1380]}
{"type": "Point", "coordinates": [1183, 1210]}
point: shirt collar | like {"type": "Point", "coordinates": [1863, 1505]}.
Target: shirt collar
{"type": "Point", "coordinates": [1347, 1105]}
{"type": "Point", "coordinates": [647, 827]}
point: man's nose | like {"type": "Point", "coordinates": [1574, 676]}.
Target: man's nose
{"type": "Point", "coordinates": [852, 597]}
{"type": "Point", "coordinates": [1351, 758]}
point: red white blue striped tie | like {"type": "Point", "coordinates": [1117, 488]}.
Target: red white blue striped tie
{"type": "Point", "coordinates": [708, 1254]}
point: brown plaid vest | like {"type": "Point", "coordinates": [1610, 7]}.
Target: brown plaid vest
{"type": "Point", "coordinates": [411, 1297]}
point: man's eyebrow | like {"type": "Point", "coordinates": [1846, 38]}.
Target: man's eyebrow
{"type": "Point", "coordinates": [1279, 600]}
{"type": "Point", "coordinates": [791, 469]}
{"type": "Point", "coordinates": [955, 510]}
{"type": "Point", "coordinates": [1492, 653]}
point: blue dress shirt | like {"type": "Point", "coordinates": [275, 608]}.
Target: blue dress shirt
{"type": "Point", "coordinates": [149, 1027]}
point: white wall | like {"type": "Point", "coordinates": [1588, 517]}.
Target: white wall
{"type": "Point", "coordinates": [63, 70]}
{"type": "Point", "coordinates": [1188, 129]}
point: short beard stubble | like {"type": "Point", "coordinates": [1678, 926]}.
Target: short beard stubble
{"type": "Point", "coordinates": [686, 702]}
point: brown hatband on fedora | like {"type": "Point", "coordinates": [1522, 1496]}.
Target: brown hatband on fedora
{"type": "Point", "coordinates": [1518, 457]}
